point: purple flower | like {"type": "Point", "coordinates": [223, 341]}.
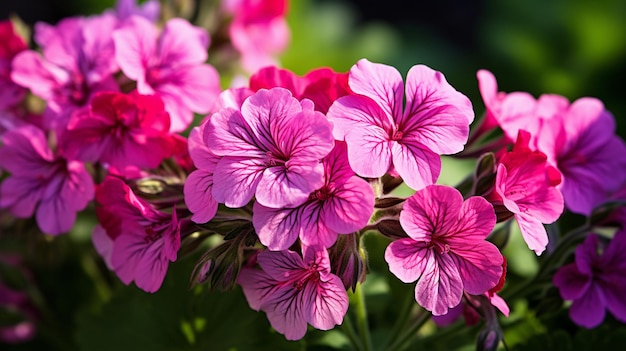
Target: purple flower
{"type": "Point", "coordinates": [294, 291]}
{"type": "Point", "coordinates": [150, 9]}
{"type": "Point", "coordinates": [342, 205]}
{"type": "Point", "coordinates": [41, 183]}
{"type": "Point", "coordinates": [595, 282]}
{"type": "Point", "coordinates": [446, 251]}
{"type": "Point", "coordinates": [76, 63]}
{"type": "Point", "coordinates": [271, 148]}
{"type": "Point", "coordinates": [382, 135]}
{"type": "Point", "coordinates": [170, 64]}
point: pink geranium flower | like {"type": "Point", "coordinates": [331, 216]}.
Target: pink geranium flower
{"type": "Point", "coordinates": [150, 9]}
{"type": "Point", "coordinates": [170, 64]}
{"type": "Point", "coordinates": [322, 86]}
{"type": "Point", "coordinates": [526, 186]}
{"type": "Point", "coordinates": [120, 130]}
{"type": "Point", "coordinates": [51, 187]}
{"type": "Point", "coordinates": [595, 282]}
{"type": "Point", "coordinates": [579, 139]}
{"type": "Point", "coordinates": [381, 137]}
{"type": "Point", "coordinates": [10, 45]}
{"type": "Point", "coordinates": [76, 63]}
{"type": "Point", "coordinates": [258, 30]}
{"type": "Point", "coordinates": [446, 251]}
{"type": "Point", "coordinates": [342, 205]}
{"type": "Point", "coordinates": [137, 241]}
{"type": "Point", "coordinates": [294, 291]}
{"type": "Point", "coordinates": [271, 148]}
{"type": "Point", "coordinates": [199, 185]}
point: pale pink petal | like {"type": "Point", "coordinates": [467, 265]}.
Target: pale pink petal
{"type": "Point", "coordinates": [408, 259]}
{"type": "Point", "coordinates": [571, 282]}
{"type": "Point", "coordinates": [441, 286]}
{"type": "Point", "coordinates": [587, 119]}
{"type": "Point", "coordinates": [281, 265]}
{"type": "Point", "coordinates": [433, 210]}
{"type": "Point", "coordinates": [350, 206]}
{"type": "Point", "coordinates": [436, 115]}
{"type": "Point", "coordinates": [379, 82]}
{"type": "Point", "coordinates": [417, 165]}
{"type": "Point", "coordinates": [194, 87]}
{"type": "Point", "coordinates": [479, 265]}
{"type": "Point", "coordinates": [500, 304]}
{"type": "Point", "coordinates": [285, 309]}
{"type": "Point", "coordinates": [181, 43]}
{"type": "Point", "coordinates": [369, 151]}
{"type": "Point", "coordinates": [306, 138]}
{"type": "Point", "coordinates": [475, 222]}
{"type": "Point", "coordinates": [330, 304]}
{"type": "Point", "coordinates": [199, 197]}
{"type": "Point", "coordinates": [228, 134]}
{"type": "Point", "coordinates": [588, 311]}
{"type": "Point", "coordinates": [288, 186]}
{"type": "Point", "coordinates": [488, 87]}
{"type": "Point", "coordinates": [354, 111]}
{"type": "Point", "coordinates": [256, 285]}
{"type": "Point", "coordinates": [533, 232]}
{"type": "Point", "coordinates": [517, 112]}
{"type": "Point", "coordinates": [235, 180]}
{"type": "Point", "coordinates": [135, 45]}
{"type": "Point", "coordinates": [278, 229]}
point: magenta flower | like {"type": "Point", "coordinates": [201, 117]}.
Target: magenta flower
{"type": "Point", "coordinates": [51, 187]}
{"type": "Point", "coordinates": [381, 137]}
{"type": "Point", "coordinates": [199, 185]}
{"type": "Point", "coordinates": [120, 130]}
{"type": "Point", "coordinates": [526, 186]}
{"type": "Point", "coordinates": [446, 251]}
{"type": "Point", "coordinates": [137, 242]}
{"type": "Point", "coordinates": [579, 139]}
{"type": "Point", "coordinates": [595, 282]}
{"type": "Point", "coordinates": [294, 291]}
{"type": "Point", "coordinates": [342, 205]}
{"type": "Point", "coordinates": [258, 30]}
{"type": "Point", "coordinates": [76, 63]}
{"type": "Point", "coordinates": [171, 65]}
{"type": "Point", "coordinates": [322, 86]}
{"type": "Point", "coordinates": [10, 45]}
{"type": "Point", "coordinates": [271, 148]}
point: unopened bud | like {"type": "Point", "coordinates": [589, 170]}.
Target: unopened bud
{"type": "Point", "coordinates": [348, 260]}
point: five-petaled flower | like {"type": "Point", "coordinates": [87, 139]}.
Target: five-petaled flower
{"type": "Point", "coordinates": [446, 251]}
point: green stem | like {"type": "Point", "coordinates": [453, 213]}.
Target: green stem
{"type": "Point", "coordinates": [348, 330]}
{"type": "Point", "coordinates": [411, 332]}
{"type": "Point", "coordinates": [401, 323]}
{"type": "Point", "coordinates": [361, 315]}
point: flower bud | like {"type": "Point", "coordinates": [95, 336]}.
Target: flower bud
{"type": "Point", "coordinates": [348, 260]}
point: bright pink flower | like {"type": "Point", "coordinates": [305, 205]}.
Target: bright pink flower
{"type": "Point", "coordinates": [199, 186]}
{"type": "Point", "coordinates": [258, 31]}
{"type": "Point", "coordinates": [446, 251]}
{"type": "Point", "coordinates": [595, 282]}
{"type": "Point", "coordinates": [294, 291]}
{"type": "Point", "coordinates": [381, 137]}
{"type": "Point", "coordinates": [526, 185]}
{"type": "Point", "coordinates": [271, 148]}
{"type": "Point", "coordinates": [512, 111]}
{"type": "Point", "coordinates": [343, 205]}
{"type": "Point", "coordinates": [76, 63]}
{"type": "Point", "coordinates": [171, 65]}
{"type": "Point", "coordinates": [322, 86]}
{"type": "Point", "coordinates": [120, 130]}
{"type": "Point", "coordinates": [579, 139]}
{"type": "Point", "coordinates": [10, 45]}
{"type": "Point", "coordinates": [137, 242]}
{"type": "Point", "coordinates": [51, 187]}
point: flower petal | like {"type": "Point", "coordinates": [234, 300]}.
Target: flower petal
{"type": "Point", "coordinates": [440, 287]}
{"type": "Point", "coordinates": [330, 304]}
{"type": "Point", "coordinates": [589, 310]}
{"type": "Point", "coordinates": [235, 180]}
{"type": "Point", "coordinates": [408, 259]}
{"type": "Point", "coordinates": [432, 210]}
{"type": "Point", "coordinates": [379, 82]}
{"type": "Point", "coordinates": [199, 197]}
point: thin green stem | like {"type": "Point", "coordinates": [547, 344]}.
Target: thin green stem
{"type": "Point", "coordinates": [401, 323]}
{"type": "Point", "coordinates": [411, 332]}
{"type": "Point", "coordinates": [348, 330]}
{"type": "Point", "coordinates": [361, 315]}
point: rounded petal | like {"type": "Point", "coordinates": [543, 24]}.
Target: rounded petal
{"type": "Point", "coordinates": [288, 186]}
{"type": "Point", "coordinates": [441, 286]}
{"type": "Point", "coordinates": [379, 82]}
{"type": "Point", "coordinates": [432, 210]}
{"type": "Point", "coordinates": [182, 44]}
{"type": "Point", "coordinates": [589, 310]}
{"type": "Point", "coordinates": [479, 265]}
{"type": "Point", "coordinates": [235, 180]}
{"type": "Point", "coordinates": [278, 228]}
{"type": "Point", "coordinates": [199, 197]}
{"type": "Point", "coordinates": [408, 259]}
{"type": "Point", "coordinates": [329, 305]}
{"type": "Point", "coordinates": [135, 45]}
{"type": "Point", "coordinates": [417, 165]}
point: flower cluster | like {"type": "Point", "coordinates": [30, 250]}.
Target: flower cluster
{"type": "Point", "coordinates": [290, 172]}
